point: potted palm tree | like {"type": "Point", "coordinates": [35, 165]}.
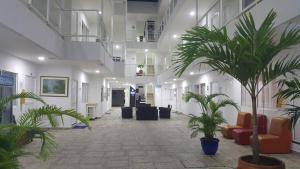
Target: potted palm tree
{"type": "Point", "coordinates": [209, 120]}
{"type": "Point", "coordinates": [13, 137]}
{"type": "Point", "coordinates": [250, 56]}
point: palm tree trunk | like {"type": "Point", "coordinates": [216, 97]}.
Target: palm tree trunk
{"type": "Point", "coordinates": [255, 142]}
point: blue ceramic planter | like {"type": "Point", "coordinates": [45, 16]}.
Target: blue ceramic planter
{"type": "Point", "coordinates": [209, 146]}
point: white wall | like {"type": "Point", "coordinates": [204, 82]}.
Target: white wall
{"type": "Point", "coordinates": [95, 85]}
{"type": "Point", "coordinates": [22, 68]}
{"type": "Point", "coordinates": [25, 69]}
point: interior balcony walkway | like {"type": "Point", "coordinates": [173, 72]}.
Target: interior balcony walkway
{"type": "Point", "coordinates": [115, 143]}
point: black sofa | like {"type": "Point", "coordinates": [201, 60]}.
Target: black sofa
{"type": "Point", "coordinates": [126, 112]}
{"type": "Point", "coordinates": [164, 112]}
{"type": "Point", "coordinates": [146, 113]}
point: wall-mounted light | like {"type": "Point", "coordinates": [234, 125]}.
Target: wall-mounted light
{"type": "Point", "coordinates": [146, 50]}
{"type": "Point", "coordinates": [175, 36]}
{"type": "Point", "coordinates": [192, 13]}
{"type": "Point", "coordinates": [99, 12]}
{"type": "Point", "coordinates": [117, 46]}
{"type": "Point", "coordinates": [41, 58]}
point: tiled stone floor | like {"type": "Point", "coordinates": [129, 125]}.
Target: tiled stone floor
{"type": "Point", "coordinates": [114, 143]}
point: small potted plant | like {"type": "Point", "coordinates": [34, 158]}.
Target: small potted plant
{"type": "Point", "coordinates": [140, 66]}
{"type": "Point", "coordinates": [209, 120]}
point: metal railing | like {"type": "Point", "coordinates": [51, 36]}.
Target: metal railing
{"type": "Point", "coordinates": [132, 36]}
{"type": "Point", "coordinates": [165, 19]}
{"type": "Point", "coordinates": [85, 25]}
{"type": "Point", "coordinates": [148, 70]}
{"type": "Point", "coordinates": [222, 12]}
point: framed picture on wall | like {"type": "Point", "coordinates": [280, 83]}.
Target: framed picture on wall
{"type": "Point", "coordinates": [53, 86]}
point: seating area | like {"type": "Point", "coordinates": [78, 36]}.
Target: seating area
{"type": "Point", "coordinates": [146, 112]}
{"type": "Point", "coordinates": [242, 136]}
{"type": "Point", "coordinates": [277, 141]}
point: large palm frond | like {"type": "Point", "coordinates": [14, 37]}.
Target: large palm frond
{"type": "Point", "coordinates": [293, 112]}
{"type": "Point", "coordinates": [29, 95]}
{"type": "Point", "coordinates": [33, 116]}
{"type": "Point", "coordinates": [201, 99]}
{"type": "Point", "coordinates": [292, 91]}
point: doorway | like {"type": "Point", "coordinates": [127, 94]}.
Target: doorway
{"type": "Point", "coordinates": [7, 88]}
{"type": "Point", "coordinates": [118, 98]}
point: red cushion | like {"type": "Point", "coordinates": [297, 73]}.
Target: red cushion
{"type": "Point", "coordinates": [242, 136]}
{"type": "Point", "coordinates": [262, 123]}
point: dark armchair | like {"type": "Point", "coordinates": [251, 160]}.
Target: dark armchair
{"type": "Point", "coordinates": [146, 113]}
{"type": "Point", "coordinates": [164, 112]}
{"type": "Point", "coordinates": [126, 112]}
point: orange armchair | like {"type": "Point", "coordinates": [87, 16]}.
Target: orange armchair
{"type": "Point", "coordinates": [279, 138]}
{"type": "Point", "coordinates": [243, 121]}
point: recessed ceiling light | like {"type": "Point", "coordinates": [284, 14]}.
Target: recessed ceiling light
{"type": "Point", "coordinates": [192, 13]}
{"type": "Point", "coordinates": [117, 46]}
{"type": "Point", "coordinates": [97, 71]}
{"type": "Point", "coordinates": [41, 58]}
{"type": "Point", "coordinates": [99, 12]}
{"type": "Point", "coordinates": [146, 50]}
{"type": "Point", "coordinates": [113, 78]}
{"type": "Point", "coordinates": [192, 73]}
{"type": "Point", "coordinates": [174, 79]}
{"type": "Point", "coordinates": [175, 36]}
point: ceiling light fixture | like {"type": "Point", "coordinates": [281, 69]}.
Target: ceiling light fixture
{"type": "Point", "coordinates": [99, 12]}
{"type": "Point", "coordinates": [41, 58]}
{"type": "Point", "coordinates": [146, 50]}
{"type": "Point", "coordinates": [97, 71]}
{"type": "Point", "coordinates": [117, 46]}
{"type": "Point", "coordinates": [113, 78]}
{"type": "Point", "coordinates": [174, 79]}
{"type": "Point", "coordinates": [175, 36]}
{"type": "Point", "coordinates": [192, 13]}
{"type": "Point", "coordinates": [192, 73]}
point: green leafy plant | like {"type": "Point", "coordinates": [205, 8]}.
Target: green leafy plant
{"type": "Point", "coordinates": [211, 115]}
{"type": "Point", "coordinates": [141, 66]}
{"type": "Point", "coordinates": [14, 136]}
{"type": "Point", "coordinates": [250, 56]}
{"type": "Point", "coordinates": [291, 92]}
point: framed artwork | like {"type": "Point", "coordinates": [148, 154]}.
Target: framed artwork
{"type": "Point", "coordinates": [53, 86]}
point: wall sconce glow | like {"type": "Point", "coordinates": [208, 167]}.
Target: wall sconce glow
{"type": "Point", "coordinates": [175, 36]}
{"type": "Point", "coordinates": [117, 46]}
{"type": "Point", "coordinates": [41, 58]}
{"type": "Point", "coordinates": [146, 50]}
{"type": "Point", "coordinates": [97, 71]}
{"type": "Point", "coordinates": [99, 12]}
{"type": "Point", "coordinates": [192, 73]}
{"type": "Point", "coordinates": [192, 13]}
